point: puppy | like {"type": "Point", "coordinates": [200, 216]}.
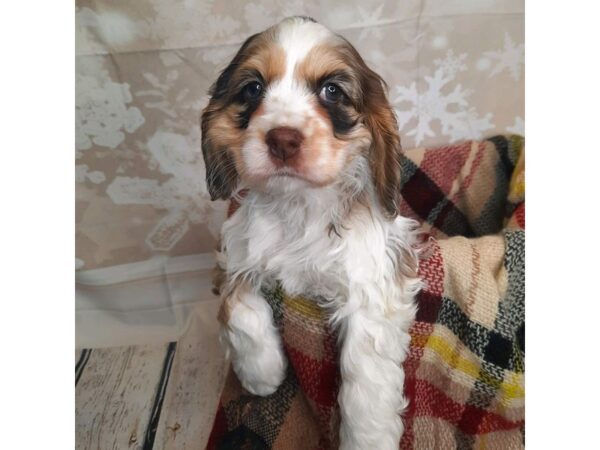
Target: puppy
{"type": "Point", "coordinates": [301, 126]}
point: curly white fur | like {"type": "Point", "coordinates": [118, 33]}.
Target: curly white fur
{"type": "Point", "coordinates": [332, 241]}
{"type": "Point", "coordinates": [283, 235]}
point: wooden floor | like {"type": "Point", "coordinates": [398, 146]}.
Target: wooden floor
{"type": "Point", "coordinates": [149, 397]}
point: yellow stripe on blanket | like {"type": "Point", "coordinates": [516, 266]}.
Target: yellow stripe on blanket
{"type": "Point", "coordinates": [511, 388]}
{"type": "Point", "coordinates": [516, 191]}
{"type": "Point", "coordinates": [304, 306]}
{"type": "Point", "coordinates": [450, 355]}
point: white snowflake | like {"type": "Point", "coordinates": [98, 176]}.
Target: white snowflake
{"type": "Point", "coordinates": [183, 195]}
{"type": "Point", "coordinates": [83, 173]}
{"type": "Point", "coordinates": [85, 40]}
{"type": "Point", "coordinates": [437, 103]}
{"type": "Point", "coordinates": [100, 32]}
{"type": "Point", "coordinates": [451, 64]}
{"type": "Point", "coordinates": [511, 58]}
{"type": "Point", "coordinates": [102, 113]}
{"type": "Point", "coordinates": [172, 98]}
{"type": "Point", "coordinates": [518, 127]}
{"type": "Point", "coordinates": [469, 126]}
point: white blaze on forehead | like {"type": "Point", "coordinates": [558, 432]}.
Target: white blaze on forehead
{"type": "Point", "coordinates": [288, 101]}
{"type": "Point", "coordinates": [298, 37]}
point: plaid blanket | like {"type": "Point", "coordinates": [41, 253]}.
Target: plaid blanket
{"type": "Point", "coordinates": [465, 369]}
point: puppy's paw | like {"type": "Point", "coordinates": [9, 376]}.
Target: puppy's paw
{"type": "Point", "coordinates": [256, 348]}
{"type": "Point", "coordinates": [262, 370]}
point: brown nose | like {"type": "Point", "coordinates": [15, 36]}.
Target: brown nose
{"type": "Point", "coordinates": [284, 142]}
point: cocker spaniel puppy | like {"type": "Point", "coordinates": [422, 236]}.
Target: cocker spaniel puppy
{"type": "Point", "coordinates": [301, 126]}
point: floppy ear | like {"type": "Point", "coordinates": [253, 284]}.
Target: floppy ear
{"type": "Point", "coordinates": [380, 120]}
{"type": "Point", "coordinates": [384, 154]}
{"type": "Point", "coordinates": [221, 174]}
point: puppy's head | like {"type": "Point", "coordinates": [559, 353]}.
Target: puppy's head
{"type": "Point", "coordinates": [294, 107]}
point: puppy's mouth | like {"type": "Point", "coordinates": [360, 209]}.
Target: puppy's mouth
{"type": "Point", "coordinates": [287, 172]}
{"type": "Point", "coordinates": [289, 175]}
{"type": "Point", "coordinates": [282, 174]}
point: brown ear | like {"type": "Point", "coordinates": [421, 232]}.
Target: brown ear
{"type": "Point", "coordinates": [380, 120]}
{"type": "Point", "coordinates": [384, 154]}
{"type": "Point", "coordinates": [221, 174]}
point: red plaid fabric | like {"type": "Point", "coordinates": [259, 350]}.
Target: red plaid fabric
{"type": "Point", "coordinates": [465, 368]}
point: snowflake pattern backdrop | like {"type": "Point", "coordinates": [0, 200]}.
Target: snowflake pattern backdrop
{"type": "Point", "coordinates": [454, 69]}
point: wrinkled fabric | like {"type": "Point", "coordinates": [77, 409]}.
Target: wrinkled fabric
{"type": "Point", "coordinates": [466, 364]}
{"type": "Point", "coordinates": [454, 70]}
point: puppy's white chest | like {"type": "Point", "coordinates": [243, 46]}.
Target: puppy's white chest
{"type": "Point", "coordinates": [290, 243]}
{"type": "Point", "coordinates": [305, 259]}
{"type": "Point", "coordinates": [289, 238]}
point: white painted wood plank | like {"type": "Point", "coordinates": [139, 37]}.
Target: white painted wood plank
{"type": "Point", "coordinates": [114, 397]}
{"type": "Point", "coordinates": [195, 385]}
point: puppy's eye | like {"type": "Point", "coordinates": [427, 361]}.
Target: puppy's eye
{"type": "Point", "coordinates": [252, 91]}
{"type": "Point", "coordinates": [331, 93]}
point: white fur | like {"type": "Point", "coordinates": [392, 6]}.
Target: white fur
{"type": "Point", "coordinates": [258, 359]}
{"type": "Point", "coordinates": [284, 236]}
{"type": "Point", "coordinates": [282, 232]}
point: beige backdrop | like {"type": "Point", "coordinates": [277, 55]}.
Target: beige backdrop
{"type": "Point", "coordinates": [145, 224]}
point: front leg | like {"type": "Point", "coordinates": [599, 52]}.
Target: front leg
{"type": "Point", "coordinates": [375, 343]}
{"type": "Point", "coordinates": [252, 339]}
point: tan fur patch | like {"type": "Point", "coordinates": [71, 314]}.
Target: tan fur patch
{"type": "Point", "coordinates": [268, 60]}
{"type": "Point", "coordinates": [265, 56]}
{"type": "Point", "coordinates": [320, 61]}
{"type": "Point", "coordinates": [225, 136]}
